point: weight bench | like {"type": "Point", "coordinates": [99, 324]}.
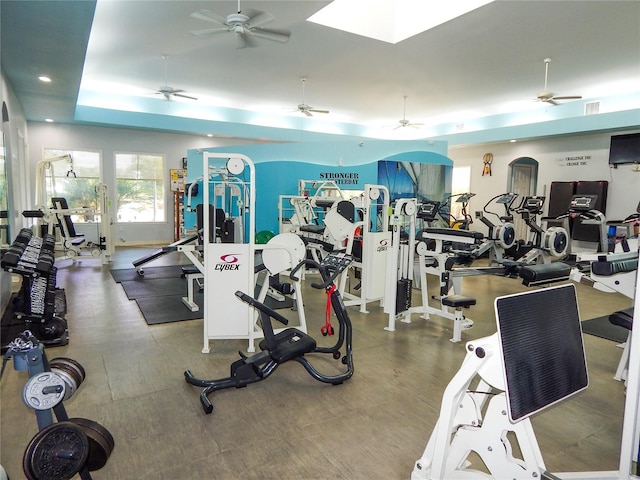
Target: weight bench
{"type": "Point", "coordinates": [624, 319]}
{"type": "Point", "coordinates": [192, 274]}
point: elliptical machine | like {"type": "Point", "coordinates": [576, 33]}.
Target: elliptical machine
{"type": "Point", "coordinates": [291, 343]}
{"type": "Point", "coordinates": [547, 245]}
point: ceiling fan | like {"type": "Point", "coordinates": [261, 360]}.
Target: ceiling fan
{"type": "Point", "coordinates": [546, 95]}
{"type": "Point", "coordinates": [307, 109]}
{"type": "Point", "coordinates": [241, 25]}
{"type": "Point", "coordinates": [168, 91]}
{"type": "Point", "coordinates": [404, 122]}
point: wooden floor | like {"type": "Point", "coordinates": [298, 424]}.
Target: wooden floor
{"type": "Point", "coordinates": [375, 426]}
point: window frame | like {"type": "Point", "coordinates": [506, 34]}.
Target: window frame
{"type": "Point", "coordinates": [162, 178]}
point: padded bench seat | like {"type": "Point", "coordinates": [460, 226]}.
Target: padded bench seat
{"type": "Point", "coordinates": [458, 301]}
{"type": "Point", "coordinates": [544, 273]}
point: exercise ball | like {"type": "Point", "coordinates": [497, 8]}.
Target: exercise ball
{"type": "Point", "coordinates": [264, 236]}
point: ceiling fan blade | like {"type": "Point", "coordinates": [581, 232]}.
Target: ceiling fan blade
{"type": "Point", "coordinates": [568, 97]}
{"type": "Point", "coordinates": [259, 20]}
{"type": "Point", "coordinates": [209, 31]}
{"type": "Point", "coordinates": [209, 16]}
{"type": "Point", "coordinates": [182, 95]}
{"type": "Point", "coordinates": [241, 41]}
{"type": "Point", "coordinates": [269, 35]}
{"type": "Point", "coordinates": [314, 110]}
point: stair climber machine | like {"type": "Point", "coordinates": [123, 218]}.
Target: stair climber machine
{"type": "Point", "coordinates": [543, 245]}
{"type": "Point", "coordinates": [502, 236]}
{"type": "Point", "coordinates": [290, 343]}
{"type": "Point", "coordinates": [367, 236]}
{"type": "Point", "coordinates": [400, 268]}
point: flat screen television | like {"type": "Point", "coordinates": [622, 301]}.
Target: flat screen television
{"type": "Point", "coordinates": [624, 149]}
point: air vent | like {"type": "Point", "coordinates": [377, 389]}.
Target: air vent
{"type": "Point", "coordinates": [592, 108]}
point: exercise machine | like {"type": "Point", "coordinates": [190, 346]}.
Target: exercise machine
{"type": "Point", "coordinates": [59, 215]}
{"type": "Point", "coordinates": [465, 219]}
{"type": "Point", "coordinates": [367, 238]}
{"type": "Point", "coordinates": [552, 369]}
{"type": "Point", "coordinates": [400, 272]}
{"type": "Point", "coordinates": [290, 344]}
{"type": "Point", "coordinates": [544, 245]}
{"type": "Point", "coordinates": [502, 236]}
{"type": "Point", "coordinates": [511, 383]}
{"type": "Point", "coordinates": [581, 209]}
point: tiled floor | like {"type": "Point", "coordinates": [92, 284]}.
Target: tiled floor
{"type": "Point", "coordinates": [375, 426]}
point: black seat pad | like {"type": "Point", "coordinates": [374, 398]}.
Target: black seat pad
{"type": "Point", "coordinates": [290, 343]}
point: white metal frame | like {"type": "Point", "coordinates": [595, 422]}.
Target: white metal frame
{"type": "Point", "coordinates": [228, 267]}
{"type": "Point", "coordinates": [375, 244]}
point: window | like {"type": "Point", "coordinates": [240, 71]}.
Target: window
{"type": "Point", "coordinates": [73, 175]}
{"type": "Point", "coordinates": [140, 188]}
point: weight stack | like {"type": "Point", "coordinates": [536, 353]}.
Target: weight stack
{"type": "Point", "coordinates": [403, 295]}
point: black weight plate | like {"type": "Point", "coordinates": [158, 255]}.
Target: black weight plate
{"type": "Point", "coordinates": [101, 442]}
{"type": "Point", "coordinates": [57, 452]}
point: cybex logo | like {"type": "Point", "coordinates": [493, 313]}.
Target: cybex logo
{"type": "Point", "coordinates": [382, 245]}
{"type": "Point", "coordinates": [229, 262]}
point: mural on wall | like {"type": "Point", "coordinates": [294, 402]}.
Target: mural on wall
{"type": "Point", "coordinates": [424, 181]}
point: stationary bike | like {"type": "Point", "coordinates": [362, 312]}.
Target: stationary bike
{"type": "Point", "coordinates": [291, 343]}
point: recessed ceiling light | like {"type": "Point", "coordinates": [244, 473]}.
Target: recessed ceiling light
{"type": "Point", "coordinates": [209, 134]}
{"type": "Point", "coordinates": [513, 141]}
{"type": "Point", "coordinates": [44, 78]}
{"type": "Point", "coordinates": [48, 120]}
{"type": "Point", "coordinates": [391, 20]}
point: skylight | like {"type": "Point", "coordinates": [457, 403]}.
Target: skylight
{"type": "Point", "coordinates": [391, 20]}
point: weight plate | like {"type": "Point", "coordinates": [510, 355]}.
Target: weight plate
{"type": "Point", "coordinates": [70, 371]}
{"type": "Point", "coordinates": [44, 391]}
{"type": "Point", "coordinates": [101, 442]}
{"type": "Point", "coordinates": [69, 382]}
{"type": "Point", "coordinates": [57, 452]}
{"type": "Point", "coordinates": [73, 363]}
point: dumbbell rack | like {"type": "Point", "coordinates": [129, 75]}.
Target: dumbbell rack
{"type": "Point", "coordinates": [68, 447]}
{"type": "Point", "coordinates": [42, 305]}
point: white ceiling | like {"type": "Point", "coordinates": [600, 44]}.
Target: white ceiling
{"type": "Point", "coordinates": [487, 62]}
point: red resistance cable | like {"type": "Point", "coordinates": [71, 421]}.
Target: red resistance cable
{"type": "Point", "coordinates": [328, 328]}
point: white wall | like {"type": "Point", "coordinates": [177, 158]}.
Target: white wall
{"type": "Point", "coordinates": [15, 140]}
{"type": "Point", "coordinates": [108, 141]}
{"type": "Point", "coordinates": [560, 159]}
